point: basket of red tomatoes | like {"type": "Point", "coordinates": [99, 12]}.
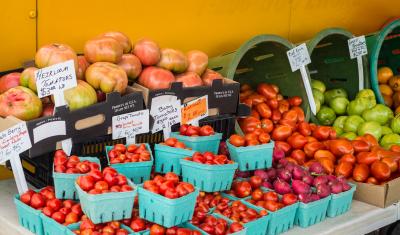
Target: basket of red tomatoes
{"type": "Point", "coordinates": [218, 224]}
{"type": "Point", "coordinates": [167, 201]}
{"type": "Point", "coordinates": [208, 172]}
{"type": "Point", "coordinates": [199, 138]}
{"type": "Point", "coordinates": [133, 161]}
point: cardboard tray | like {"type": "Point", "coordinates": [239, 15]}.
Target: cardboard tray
{"type": "Point", "coordinates": [378, 195]}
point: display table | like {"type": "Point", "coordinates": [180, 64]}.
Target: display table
{"type": "Point", "coordinates": [361, 219]}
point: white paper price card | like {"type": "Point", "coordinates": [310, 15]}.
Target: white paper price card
{"type": "Point", "coordinates": [298, 57]}
{"type": "Point", "coordinates": [55, 78]}
{"type": "Point", "coordinates": [129, 125]}
{"type": "Point", "coordinates": [165, 115]}
{"type": "Point", "coordinates": [357, 47]}
{"type": "Point", "coordinates": [14, 141]}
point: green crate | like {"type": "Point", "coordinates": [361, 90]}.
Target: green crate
{"type": "Point", "coordinates": [383, 50]}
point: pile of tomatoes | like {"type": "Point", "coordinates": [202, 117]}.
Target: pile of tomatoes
{"type": "Point", "coordinates": [72, 164]}
{"type": "Point", "coordinates": [87, 227]}
{"type": "Point", "coordinates": [213, 225]}
{"type": "Point", "coordinates": [209, 158]}
{"type": "Point", "coordinates": [189, 130]}
{"type": "Point", "coordinates": [168, 186]}
{"type": "Point", "coordinates": [133, 153]}
{"type": "Point", "coordinates": [173, 142]}
{"type": "Point", "coordinates": [244, 188]}
{"type": "Point", "coordinates": [239, 212]}
{"type": "Point", "coordinates": [206, 201]}
{"type": "Point", "coordinates": [156, 229]}
{"type": "Point", "coordinates": [271, 200]}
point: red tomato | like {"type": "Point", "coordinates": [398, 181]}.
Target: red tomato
{"type": "Point", "coordinates": [271, 205]}
{"type": "Point", "coordinates": [311, 148]}
{"type": "Point", "coordinates": [267, 90]}
{"type": "Point", "coordinates": [295, 101]}
{"type": "Point", "coordinates": [237, 140]}
{"type": "Point", "coordinates": [86, 182]}
{"type": "Point", "coordinates": [264, 138]}
{"type": "Point", "coordinates": [183, 128]}
{"type": "Point", "coordinates": [235, 227]}
{"type": "Point", "coordinates": [360, 172]}
{"type": "Point", "coordinates": [192, 131]}
{"type": "Point", "coordinates": [242, 189]}
{"type": "Point", "coordinates": [380, 170]}
{"type": "Point", "coordinates": [341, 147]}
{"type": "Point", "coordinates": [255, 181]}
{"type": "Point", "coordinates": [344, 169]}
{"type": "Point", "coordinates": [120, 148]}
{"type": "Point", "coordinates": [297, 141]}
{"type": "Point", "coordinates": [327, 164]}
{"type": "Point", "coordinates": [172, 176]}
{"type": "Point", "coordinates": [324, 154]}
{"type": "Point", "coordinates": [304, 128]}
{"type": "Point", "coordinates": [156, 229]}
{"type": "Point", "coordinates": [300, 113]}
{"type": "Point", "coordinates": [285, 147]}
{"type": "Point", "coordinates": [272, 103]}
{"type": "Point", "coordinates": [350, 158]}
{"type": "Point", "coordinates": [289, 199]}
{"type": "Point", "coordinates": [249, 124]}
{"type": "Point", "coordinates": [281, 133]}
{"type": "Point", "coordinates": [267, 125]}
{"type": "Point", "coordinates": [360, 146]}
{"type": "Point", "coordinates": [71, 218]}
{"type": "Point", "coordinates": [291, 116]}
{"type": "Point", "coordinates": [367, 157]}
{"type": "Point", "coordinates": [299, 156]}
{"type": "Point", "coordinates": [283, 106]}
{"type": "Point", "coordinates": [257, 194]}
{"type": "Point", "coordinates": [322, 132]}
{"type": "Point", "coordinates": [206, 130]}
{"type": "Point", "coordinates": [54, 204]}
{"type": "Point", "coordinates": [263, 110]}
{"type": "Point", "coordinates": [276, 116]}
{"type": "Point", "coordinates": [391, 162]}
{"type": "Point", "coordinates": [271, 196]}
{"type": "Point", "coordinates": [372, 180]}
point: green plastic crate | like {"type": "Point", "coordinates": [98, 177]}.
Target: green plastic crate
{"type": "Point", "coordinates": [384, 50]}
{"type": "Point", "coordinates": [340, 203]}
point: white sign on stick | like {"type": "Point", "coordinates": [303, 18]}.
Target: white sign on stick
{"type": "Point", "coordinates": [166, 112]}
{"type": "Point", "coordinates": [357, 49]}
{"type": "Point", "coordinates": [129, 125]}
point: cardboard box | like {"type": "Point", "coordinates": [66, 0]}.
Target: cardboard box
{"type": "Point", "coordinates": [378, 195]}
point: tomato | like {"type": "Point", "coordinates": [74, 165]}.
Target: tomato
{"type": "Point", "coordinates": [322, 132]}
{"type": "Point", "coordinates": [350, 158]}
{"type": "Point", "coordinates": [254, 113]}
{"type": "Point", "coordinates": [285, 147]}
{"type": "Point", "coordinates": [311, 139]}
{"type": "Point", "coordinates": [292, 160]}
{"type": "Point", "coordinates": [381, 171]}
{"type": "Point", "coordinates": [341, 147]}
{"type": "Point", "coordinates": [172, 176]}
{"type": "Point", "coordinates": [267, 90]}
{"type": "Point", "coordinates": [251, 136]}
{"type": "Point", "coordinates": [244, 95]}
{"type": "Point", "coordinates": [276, 116]}
{"type": "Point", "coordinates": [271, 196]}
{"type": "Point", "coordinates": [372, 180]}
{"type": "Point", "coordinates": [156, 229]}
{"type": "Point", "coordinates": [263, 110]}
{"type": "Point", "coordinates": [249, 124]}
{"type": "Point", "coordinates": [257, 194]}
{"type": "Point", "coordinates": [255, 181]}
{"type": "Point", "coordinates": [257, 99]}
{"type": "Point", "coordinates": [360, 146]}
{"type": "Point", "coordinates": [290, 115]}
{"type": "Point", "coordinates": [295, 101]}
{"type": "Point", "coordinates": [371, 140]}
{"type": "Point", "coordinates": [206, 130]}
{"type": "Point", "coordinates": [287, 122]}
{"type": "Point", "coordinates": [367, 157]}
{"type": "Point", "coordinates": [391, 162]}
{"type": "Point", "coordinates": [86, 182]}
{"type": "Point", "coordinates": [395, 148]}
{"type": "Point", "coordinates": [297, 141]}
{"type": "Point", "coordinates": [361, 172]}
{"type": "Point", "coordinates": [242, 189]}
{"type": "Point", "coordinates": [271, 205]}
{"type": "Point", "coordinates": [248, 102]}
{"type": "Point", "coordinates": [170, 142]}
{"type": "Point", "coordinates": [324, 154]}
{"type": "Point", "coordinates": [245, 87]}
{"type": "Point", "coordinates": [264, 138]}
{"type": "Point", "coordinates": [343, 169]}
{"type": "Point", "coordinates": [120, 148]}
{"type": "Point", "coordinates": [267, 125]}
{"type": "Point", "coordinates": [258, 131]}
{"type": "Point", "coordinates": [281, 133]}
{"type": "Point", "coordinates": [237, 140]}
{"type": "Point", "coordinates": [272, 103]}
{"type": "Point", "coordinates": [235, 227]}
{"type": "Point", "coordinates": [327, 164]}
{"type": "Point", "coordinates": [304, 128]}
{"type": "Point", "coordinates": [299, 156]}
{"type": "Point", "coordinates": [138, 224]}
{"type": "Point", "coordinates": [283, 106]}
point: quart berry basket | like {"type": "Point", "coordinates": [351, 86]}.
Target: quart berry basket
{"type": "Point", "coordinates": [52, 227]}
{"type": "Point", "coordinates": [28, 217]}
{"type": "Point", "coordinates": [165, 211]}
{"type": "Point", "coordinates": [69, 229]}
{"type": "Point", "coordinates": [200, 143]}
{"type": "Point", "coordinates": [64, 183]}
{"type": "Point", "coordinates": [167, 158]}
{"type": "Point", "coordinates": [194, 227]}
{"type": "Point", "coordinates": [252, 157]}
{"type": "Point", "coordinates": [137, 172]}
{"type": "Point", "coordinates": [101, 208]}
{"type": "Point", "coordinates": [311, 213]}
{"type": "Point", "coordinates": [282, 220]}
{"type": "Point", "coordinates": [208, 178]}
{"type": "Point", "coordinates": [340, 203]}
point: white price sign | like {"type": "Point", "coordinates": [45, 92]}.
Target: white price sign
{"type": "Point", "coordinates": [166, 112]}
{"type": "Point", "coordinates": [357, 47]}
{"type": "Point", "coordinates": [129, 125]}
{"type": "Point", "coordinates": [298, 57]}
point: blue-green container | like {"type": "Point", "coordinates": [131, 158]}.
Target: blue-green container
{"type": "Point", "coordinates": [64, 183]}
{"type": "Point", "coordinates": [71, 227]}
{"type": "Point", "coordinates": [200, 143]}
{"type": "Point", "coordinates": [208, 178]}
{"type": "Point", "coordinates": [165, 211]}
{"type": "Point", "coordinates": [101, 208]}
{"type": "Point", "coordinates": [282, 220]}
{"type": "Point", "coordinates": [252, 157]}
{"type": "Point", "coordinates": [167, 158]}
{"type": "Point", "coordinates": [52, 227]}
{"type": "Point", "coordinates": [311, 213]}
{"type": "Point", "coordinates": [137, 172]}
{"type": "Point", "coordinates": [28, 217]}
{"type": "Point", "coordinates": [194, 227]}
{"type": "Point", "coordinates": [340, 203]}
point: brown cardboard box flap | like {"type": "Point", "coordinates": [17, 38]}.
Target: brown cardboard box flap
{"type": "Point", "coordinates": [393, 192]}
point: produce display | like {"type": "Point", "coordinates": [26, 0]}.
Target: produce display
{"type": "Point", "coordinates": [389, 87]}
{"type": "Point", "coordinates": [209, 158]}
{"type": "Point", "coordinates": [168, 186]}
{"type": "Point", "coordinates": [189, 130]}
{"type": "Point", "coordinates": [214, 225]}
{"type": "Point", "coordinates": [132, 153]}
{"type": "Point", "coordinates": [173, 142]}
{"type": "Point", "coordinates": [72, 164]}
{"type": "Point", "coordinates": [112, 228]}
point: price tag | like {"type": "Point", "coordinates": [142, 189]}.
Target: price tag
{"type": "Point", "coordinates": [298, 59]}
{"type": "Point", "coordinates": [195, 110]}
{"type": "Point", "coordinates": [129, 125]}
{"type": "Point", "coordinates": [165, 113]}
{"type": "Point", "coordinates": [357, 49]}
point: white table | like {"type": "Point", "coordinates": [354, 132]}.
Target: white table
{"type": "Point", "coordinates": [361, 219]}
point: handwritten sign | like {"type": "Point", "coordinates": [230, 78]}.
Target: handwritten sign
{"type": "Point", "coordinates": [165, 115]}
{"type": "Point", "coordinates": [129, 125]}
{"type": "Point", "coordinates": [298, 57]}
{"type": "Point", "coordinates": [14, 141]}
{"type": "Point", "coordinates": [357, 47]}
{"type": "Point", "coordinates": [195, 110]}
{"type": "Point", "coordinates": [55, 79]}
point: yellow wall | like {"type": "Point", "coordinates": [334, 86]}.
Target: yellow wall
{"type": "Point", "coordinates": [215, 26]}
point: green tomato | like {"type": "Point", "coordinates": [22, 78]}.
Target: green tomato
{"type": "Point", "coordinates": [318, 95]}
{"type": "Point", "coordinates": [316, 84]}
{"type": "Point", "coordinates": [352, 123]}
{"type": "Point", "coordinates": [386, 130]}
{"type": "Point", "coordinates": [390, 139]}
{"type": "Point", "coordinates": [369, 94]}
{"type": "Point", "coordinates": [380, 113]}
{"type": "Point", "coordinates": [349, 135]}
{"type": "Point", "coordinates": [338, 130]}
{"type": "Point", "coordinates": [339, 105]}
{"type": "Point", "coordinates": [339, 122]}
{"type": "Point", "coordinates": [373, 128]}
{"type": "Point", "coordinates": [357, 106]}
{"type": "Point", "coordinates": [331, 94]}
{"type": "Point", "coordinates": [395, 125]}
{"type": "Point", "coordinates": [326, 116]}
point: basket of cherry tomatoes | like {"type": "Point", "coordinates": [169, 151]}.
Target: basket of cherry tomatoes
{"type": "Point", "coordinates": [168, 153]}
{"type": "Point", "coordinates": [166, 200]}
{"type": "Point", "coordinates": [218, 224]}
{"type": "Point", "coordinates": [67, 169]}
{"type": "Point", "coordinates": [208, 172]}
{"type": "Point", "coordinates": [199, 139]}
{"type": "Point", "coordinates": [86, 226]}
{"type": "Point", "coordinates": [133, 161]}
{"type": "Point", "coordinates": [252, 151]}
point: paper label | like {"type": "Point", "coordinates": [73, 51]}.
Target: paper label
{"type": "Point", "coordinates": [357, 47]}
{"type": "Point", "coordinates": [165, 112]}
{"type": "Point", "coordinates": [298, 57]}
{"type": "Point", "coordinates": [130, 124]}
{"type": "Point", "coordinates": [55, 79]}
{"type": "Point", "coordinates": [195, 110]}
{"type": "Point", "coordinates": [14, 141]}
{"type": "Point", "coordinates": [49, 129]}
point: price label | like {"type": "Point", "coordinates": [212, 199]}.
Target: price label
{"type": "Point", "coordinates": [165, 114]}
{"type": "Point", "coordinates": [357, 47]}
{"type": "Point", "coordinates": [298, 57]}
{"type": "Point", "coordinates": [129, 125]}
{"type": "Point", "coordinates": [195, 110]}
{"type": "Point", "coordinates": [55, 79]}
{"type": "Point", "coordinates": [14, 141]}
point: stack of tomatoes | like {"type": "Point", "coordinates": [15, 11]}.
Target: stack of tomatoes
{"type": "Point", "coordinates": [168, 186]}
{"type": "Point", "coordinates": [87, 227]}
{"type": "Point", "coordinates": [97, 182]}
{"type": "Point", "coordinates": [136, 223]}
{"type": "Point", "coordinates": [257, 137]}
{"type": "Point", "coordinates": [72, 164]}
{"type": "Point", "coordinates": [213, 225]}
{"type": "Point", "coordinates": [239, 212]}
{"type": "Point", "coordinates": [189, 130]}
{"type": "Point", "coordinates": [206, 201]}
{"type": "Point", "coordinates": [173, 142]}
{"type": "Point", "coordinates": [156, 229]}
{"type": "Point", "coordinates": [270, 200]}
{"type": "Point", "coordinates": [244, 188]}
{"type": "Point", "coordinates": [209, 158]}
{"type": "Point", "coordinates": [133, 153]}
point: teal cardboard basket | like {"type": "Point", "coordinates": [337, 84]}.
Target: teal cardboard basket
{"type": "Point", "coordinates": [282, 220]}
{"type": "Point", "coordinates": [252, 157]}
{"type": "Point", "coordinates": [208, 178]}
{"type": "Point", "coordinates": [165, 211]}
{"type": "Point", "coordinates": [340, 203]}
{"type": "Point", "coordinates": [72, 227]}
{"type": "Point", "coordinates": [28, 217]}
{"type": "Point", "coordinates": [167, 158]}
{"type": "Point", "coordinates": [64, 184]}
{"type": "Point", "coordinates": [312, 213]}
{"type": "Point", "coordinates": [200, 143]}
{"type": "Point", "coordinates": [101, 208]}
{"type": "Point", "coordinates": [52, 227]}
{"type": "Point", "coordinates": [137, 172]}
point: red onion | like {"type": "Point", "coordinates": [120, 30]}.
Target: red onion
{"type": "Point", "coordinates": [314, 197]}
{"type": "Point", "coordinates": [284, 174]}
{"type": "Point", "coordinates": [323, 190]}
{"type": "Point", "coordinates": [290, 166]}
{"type": "Point", "coordinates": [345, 186]}
{"type": "Point", "coordinates": [321, 179]}
{"type": "Point", "coordinates": [308, 179]}
{"type": "Point", "coordinates": [299, 187]}
{"type": "Point", "coordinates": [261, 173]}
{"type": "Point", "coordinates": [336, 187]}
{"type": "Point", "coordinates": [223, 149]}
{"type": "Point", "coordinates": [282, 187]}
{"type": "Point", "coordinates": [316, 168]}
{"type": "Point", "coordinates": [278, 154]}
{"type": "Point", "coordinates": [304, 198]}
{"type": "Point", "coordinates": [331, 178]}
{"type": "Point", "coordinates": [298, 173]}
{"type": "Point", "coordinates": [271, 172]}
{"type": "Point", "coordinates": [267, 184]}
{"type": "Point", "coordinates": [283, 162]}
{"type": "Point", "coordinates": [243, 174]}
